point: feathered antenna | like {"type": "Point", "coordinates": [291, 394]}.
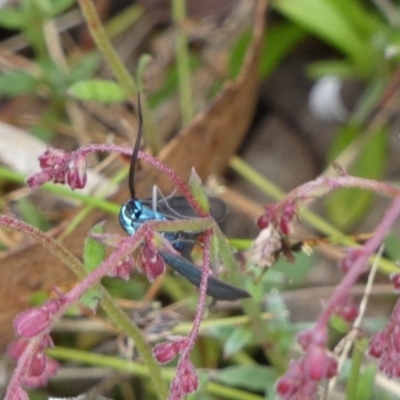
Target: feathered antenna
{"type": "Point", "coordinates": [136, 151]}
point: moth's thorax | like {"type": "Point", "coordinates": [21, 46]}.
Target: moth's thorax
{"type": "Point", "coordinates": [133, 214]}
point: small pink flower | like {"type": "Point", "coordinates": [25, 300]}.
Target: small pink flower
{"type": "Point", "coordinates": [294, 385]}
{"type": "Point", "coordinates": [149, 261]}
{"type": "Point", "coordinates": [265, 219]}
{"type": "Point", "coordinates": [385, 345]}
{"type": "Point", "coordinates": [188, 377]}
{"type": "Point", "coordinates": [349, 312]}
{"type": "Point", "coordinates": [17, 348]}
{"type": "Point", "coordinates": [287, 216]}
{"type": "Point", "coordinates": [42, 368]}
{"type": "Point", "coordinates": [35, 320]}
{"type": "Point", "coordinates": [167, 351]}
{"type": "Point", "coordinates": [377, 345]}
{"type": "Point", "coordinates": [281, 219]}
{"type": "Point", "coordinates": [32, 322]}
{"type": "Point", "coordinates": [395, 278]}
{"type": "Point", "coordinates": [76, 174]}
{"type": "Point", "coordinates": [319, 365]}
{"type": "Point", "coordinates": [38, 364]}
{"type": "Point", "coordinates": [123, 269]}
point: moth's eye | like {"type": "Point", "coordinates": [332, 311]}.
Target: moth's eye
{"type": "Point", "coordinates": [133, 209]}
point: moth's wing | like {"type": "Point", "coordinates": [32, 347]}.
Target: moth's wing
{"type": "Point", "coordinates": [178, 206]}
{"type": "Point", "coordinates": [216, 288]}
{"type": "Point", "coordinates": [218, 209]}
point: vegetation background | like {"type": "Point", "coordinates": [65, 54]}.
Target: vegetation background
{"type": "Point", "coordinates": [259, 99]}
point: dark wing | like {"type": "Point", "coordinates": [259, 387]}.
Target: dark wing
{"type": "Point", "coordinates": [178, 207]}
{"type": "Point", "coordinates": [218, 289]}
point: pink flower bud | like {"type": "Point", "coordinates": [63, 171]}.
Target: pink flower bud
{"type": "Point", "coordinates": [318, 364]}
{"type": "Point", "coordinates": [395, 278]}
{"type": "Point", "coordinates": [349, 312]}
{"type": "Point", "coordinates": [32, 322]}
{"type": "Point", "coordinates": [123, 269]}
{"type": "Point", "coordinates": [150, 262]}
{"type": "Point", "coordinates": [76, 174]}
{"type": "Point", "coordinates": [38, 364]}
{"type": "Point", "coordinates": [38, 179]}
{"type": "Point", "coordinates": [165, 352]}
{"type": "Point", "coordinates": [285, 387]}
{"type": "Point", "coordinates": [16, 348]}
{"type": "Point", "coordinates": [188, 377]}
{"type": "Point", "coordinates": [263, 221]}
{"type": "Point", "coordinates": [377, 345]}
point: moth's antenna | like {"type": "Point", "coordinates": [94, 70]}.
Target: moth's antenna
{"type": "Point", "coordinates": [136, 151]}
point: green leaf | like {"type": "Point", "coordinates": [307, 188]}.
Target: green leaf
{"type": "Point", "coordinates": [91, 299]}
{"type": "Point", "coordinates": [250, 377]}
{"type": "Point", "coordinates": [59, 6]}
{"type": "Point", "coordinates": [239, 338]}
{"type": "Point", "coordinates": [341, 68]}
{"type": "Point", "coordinates": [295, 272]}
{"type": "Point", "coordinates": [83, 68]}
{"type": "Point", "coordinates": [196, 186]}
{"type": "Point", "coordinates": [365, 383]}
{"type": "Point", "coordinates": [278, 42]}
{"type": "Point", "coordinates": [238, 53]}
{"type": "Point", "coordinates": [16, 83]}
{"type": "Point", "coordinates": [339, 324]}
{"type": "Point", "coordinates": [94, 252]}
{"type": "Point", "coordinates": [330, 23]}
{"type": "Point", "coordinates": [392, 246]}
{"type": "Point", "coordinates": [98, 90]}
{"type": "Point", "coordinates": [12, 18]}
{"type": "Point", "coordinates": [31, 215]}
{"type": "Point", "coordinates": [346, 206]}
